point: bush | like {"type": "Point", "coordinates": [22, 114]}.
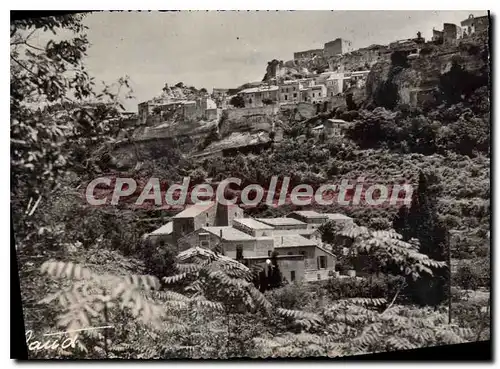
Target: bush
{"type": "Point", "coordinates": [237, 101]}
{"type": "Point", "coordinates": [293, 296]}
{"type": "Point", "coordinates": [472, 275]}
{"type": "Point", "coordinates": [377, 287]}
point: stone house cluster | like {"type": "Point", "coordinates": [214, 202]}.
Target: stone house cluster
{"type": "Point", "coordinates": [294, 239]}
{"type": "Point", "coordinates": [159, 109]}
{"type": "Point", "coordinates": [317, 89]}
{"type": "Point", "coordinates": [451, 33]}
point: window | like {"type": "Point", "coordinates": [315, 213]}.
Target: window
{"type": "Point", "coordinates": [239, 252]}
{"type": "Point", "coordinates": [314, 95]}
{"type": "Point", "coordinates": [292, 275]}
{"type": "Point", "coordinates": [319, 276]}
{"type": "Point", "coordinates": [208, 224]}
{"type": "Point", "coordinates": [286, 97]}
{"type": "Point", "coordinates": [294, 88]}
{"type": "Point", "coordinates": [250, 101]}
{"type": "Point", "coordinates": [322, 262]}
{"type": "Point", "coordinates": [290, 253]}
{"type": "Point", "coordinates": [295, 95]}
{"type": "Point", "coordinates": [204, 240]}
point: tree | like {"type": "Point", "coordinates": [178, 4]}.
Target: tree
{"type": "Point", "coordinates": [237, 101]}
{"type": "Point", "coordinates": [421, 222]}
{"type": "Point", "coordinates": [58, 119]}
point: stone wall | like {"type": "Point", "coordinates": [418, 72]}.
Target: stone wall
{"type": "Point", "coordinates": [305, 109]}
{"type": "Point", "coordinates": [288, 265]}
{"type": "Point", "coordinates": [307, 54]}
{"type": "Point", "coordinates": [246, 112]}
{"type": "Point", "coordinates": [360, 59]}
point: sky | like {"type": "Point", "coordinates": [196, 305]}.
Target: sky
{"type": "Point", "coordinates": [224, 49]}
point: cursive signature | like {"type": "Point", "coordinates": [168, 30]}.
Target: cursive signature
{"type": "Point", "coordinates": [53, 344]}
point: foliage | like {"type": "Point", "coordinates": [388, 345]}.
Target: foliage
{"type": "Point", "coordinates": [218, 280]}
{"type": "Point", "coordinates": [351, 327]}
{"type": "Point", "coordinates": [97, 300]}
{"type": "Point", "coordinates": [57, 117]}
{"type": "Point", "coordinates": [421, 222]}
{"type": "Point", "coordinates": [388, 250]}
{"type": "Point", "coordinates": [237, 101]}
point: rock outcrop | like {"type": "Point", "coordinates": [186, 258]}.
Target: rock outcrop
{"type": "Point", "coordinates": [400, 80]}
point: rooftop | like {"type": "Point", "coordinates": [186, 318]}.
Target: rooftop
{"type": "Point", "coordinates": [277, 256]}
{"type": "Point", "coordinates": [303, 231]}
{"type": "Point", "coordinates": [309, 214]}
{"type": "Point", "coordinates": [337, 216]}
{"type": "Point", "coordinates": [194, 210]}
{"type": "Point", "coordinates": [259, 89]}
{"type": "Point", "coordinates": [252, 223]}
{"type": "Point", "coordinates": [164, 229]}
{"type": "Point", "coordinates": [293, 240]}
{"type": "Point", "coordinates": [281, 221]}
{"type": "Point", "coordinates": [337, 121]}
{"type": "Point", "coordinates": [228, 233]}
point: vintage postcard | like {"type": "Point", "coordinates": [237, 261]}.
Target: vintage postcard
{"type": "Point", "coordinates": [243, 184]}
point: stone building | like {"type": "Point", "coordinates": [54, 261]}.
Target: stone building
{"type": "Point", "coordinates": [197, 216]}
{"type": "Point", "coordinates": [161, 109]}
{"type": "Point", "coordinates": [451, 33]}
{"type": "Point", "coordinates": [437, 36]}
{"type": "Point", "coordinates": [316, 93]}
{"type": "Point", "coordinates": [335, 84]}
{"type": "Point", "coordinates": [473, 25]}
{"type": "Point", "coordinates": [300, 252]}
{"type": "Point", "coordinates": [338, 46]}
{"type": "Point", "coordinates": [308, 54]}
{"type": "Point", "coordinates": [289, 92]}
{"type": "Point", "coordinates": [221, 97]}
{"type": "Point", "coordinates": [294, 241]}
{"type": "Point", "coordinates": [313, 219]}
{"type": "Point", "coordinates": [333, 127]}
{"type": "Point", "coordinates": [257, 96]}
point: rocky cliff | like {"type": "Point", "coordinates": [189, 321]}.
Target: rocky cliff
{"type": "Point", "coordinates": [285, 71]}
{"type": "Point", "coordinates": [418, 80]}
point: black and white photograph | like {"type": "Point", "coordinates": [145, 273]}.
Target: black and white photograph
{"type": "Point", "coordinates": [251, 185]}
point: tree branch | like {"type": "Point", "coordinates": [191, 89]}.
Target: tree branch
{"type": "Point", "coordinates": [23, 66]}
{"type": "Point", "coordinates": [394, 299]}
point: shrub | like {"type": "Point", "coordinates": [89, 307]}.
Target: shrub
{"type": "Point", "coordinates": [375, 287]}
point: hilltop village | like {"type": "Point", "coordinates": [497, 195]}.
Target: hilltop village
{"type": "Point", "coordinates": [313, 82]}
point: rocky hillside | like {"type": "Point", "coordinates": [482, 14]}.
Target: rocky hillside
{"type": "Point", "coordinates": [422, 80]}
{"type": "Point", "coordinates": [289, 70]}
